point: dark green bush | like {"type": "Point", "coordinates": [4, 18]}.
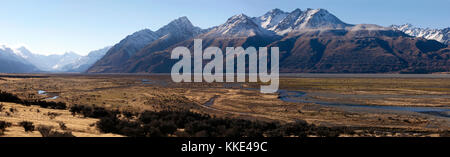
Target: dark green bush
{"type": "Point", "coordinates": [47, 131]}
{"type": "Point", "coordinates": [8, 97]}
{"type": "Point", "coordinates": [27, 126]}
{"type": "Point", "coordinates": [165, 123]}
{"type": "Point", "coordinates": [3, 126]}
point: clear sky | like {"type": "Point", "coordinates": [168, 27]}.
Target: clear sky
{"type": "Point", "coordinates": [57, 26]}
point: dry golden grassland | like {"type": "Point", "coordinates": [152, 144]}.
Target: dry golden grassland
{"type": "Point", "coordinates": [137, 93]}
{"type": "Point", "coordinates": [58, 120]}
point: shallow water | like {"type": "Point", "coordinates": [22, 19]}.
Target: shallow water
{"type": "Point", "coordinates": [301, 97]}
{"type": "Point", "coordinates": [153, 82]}
{"type": "Point", "coordinates": [42, 92]}
{"type": "Point", "coordinates": [52, 98]}
{"type": "Point", "coordinates": [211, 101]}
{"type": "Point", "coordinates": [328, 75]}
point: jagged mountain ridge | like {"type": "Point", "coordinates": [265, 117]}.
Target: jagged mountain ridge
{"type": "Point", "coordinates": [238, 26]}
{"type": "Point", "coordinates": [271, 18]}
{"type": "Point", "coordinates": [441, 35]}
{"type": "Point", "coordinates": [49, 63]}
{"type": "Point", "coordinates": [341, 47]}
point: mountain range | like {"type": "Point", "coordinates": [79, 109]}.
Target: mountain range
{"type": "Point", "coordinates": [11, 62]}
{"type": "Point", "coordinates": [21, 60]}
{"type": "Point", "coordinates": [313, 40]}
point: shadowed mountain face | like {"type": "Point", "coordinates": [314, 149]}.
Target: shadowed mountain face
{"type": "Point", "coordinates": [11, 66]}
{"type": "Point", "coordinates": [310, 41]}
{"type": "Point", "coordinates": [360, 51]}
{"type": "Point", "coordinates": [125, 49]}
{"type": "Point", "coordinates": [145, 42]}
{"type": "Point", "coordinates": [160, 62]}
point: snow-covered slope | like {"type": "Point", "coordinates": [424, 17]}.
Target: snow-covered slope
{"type": "Point", "coordinates": [84, 62]}
{"type": "Point", "coordinates": [134, 42]}
{"type": "Point", "coordinates": [238, 26]}
{"type": "Point", "coordinates": [49, 63]}
{"type": "Point", "coordinates": [176, 31]}
{"type": "Point", "coordinates": [271, 18]}
{"type": "Point", "coordinates": [299, 20]}
{"type": "Point", "coordinates": [11, 53]}
{"type": "Point", "coordinates": [60, 61]}
{"type": "Point", "coordinates": [12, 61]}
{"type": "Point", "coordinates": [125, 49]}
{"type": "Point", "coordinates": [181, 26]}
{"type": "Point", "coordinates": [441, 35]}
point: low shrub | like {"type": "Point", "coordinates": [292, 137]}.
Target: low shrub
{"type": "Point", "coordinates": [3, 126]}
{"type": "Point", "coordinates": [52, 115]}
{"type": "Point", "coordinates": [445, 134]}
{"type": "Point", "coordinates": [47, 131]}
{"type": "Point", "coordinates": [91, 111]}
{"type": "Point", "coordinates": [27, 126]}
{"type": "Point", "coordinates": [165, 123]}
{"type": "Point", "coordinates": [9, 97]}
{"type": "Point", "coordinates": [62, 125]}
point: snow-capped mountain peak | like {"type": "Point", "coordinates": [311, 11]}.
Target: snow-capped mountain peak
{"type": "Point", "coordinates": [13, 62]}
{"type": "Point", "coordinates": [286, 24]}
{"type": "Point", "coordinates": [82, 63]}
{"type": "Point", "coordinates": [275, 11]}
{"type": "Point", "coordinates": [406, 26]}
{"type": "Point", "coordinates": [14, 53]}
{"type": "Point", "coordinates": [239, 19]}
{"type": "Point", "coordinates": [310, 19]}
{"type": "Point", "coordinates": [319, 18]}
{"type": "Point", "coordinates": [271, 18]}
{"type": "Point", "coordinates": [441, 35]}
{"type": "Point", "coordinates": [239, 26]}
{"type": "Point", "coordinates": [179, 26]}
{"type": "Point", "coordinates": [23, 52]}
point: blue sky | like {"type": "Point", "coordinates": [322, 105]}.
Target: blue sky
{"type": "Point", "coordinates": [57, 26]}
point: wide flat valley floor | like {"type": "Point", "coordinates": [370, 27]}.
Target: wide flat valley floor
{"type": "Point", "coordinates": [327, 101]}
